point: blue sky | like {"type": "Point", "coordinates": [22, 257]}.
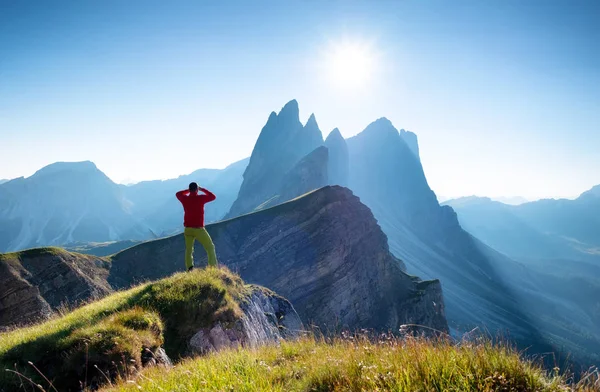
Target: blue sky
{"type": "Point", "coordinates": [504, 95]}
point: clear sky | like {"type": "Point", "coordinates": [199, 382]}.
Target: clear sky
{"type": "Point", "coordinates": [504, 95]}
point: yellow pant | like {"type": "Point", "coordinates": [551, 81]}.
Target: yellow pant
{"type": "Point", "coordinates": [192, 234]}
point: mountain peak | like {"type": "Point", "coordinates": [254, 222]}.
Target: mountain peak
{"type": "Point", "coordinates": [290, 110]}
{"type": "Point", "coordinates": [334, 135]}
{"type": "Point", "coordinates": [312, 121]}
{"type": "Point", "coordinates": [383, 121]}
{"type": "Point", "coordinates": [380, 128]}
{"type": "Point", "coordinates": [57, 167]}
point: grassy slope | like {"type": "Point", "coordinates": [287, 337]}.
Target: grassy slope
{"type": "Point", "coordinates": [119, 327]}
{"type": "Point", "coordinates": [353, 365]}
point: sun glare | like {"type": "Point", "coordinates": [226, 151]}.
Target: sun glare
{"type": "Point", "coordinates": [350, 64]}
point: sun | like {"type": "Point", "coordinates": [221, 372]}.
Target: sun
{"type": "Point", "coordinates": [350, 64]}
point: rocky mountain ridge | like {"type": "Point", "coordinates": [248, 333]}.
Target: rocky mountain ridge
{"type": "Point", "coordinates": [324, 252]}
{"type": "Point", "coordinates": [544, 229]}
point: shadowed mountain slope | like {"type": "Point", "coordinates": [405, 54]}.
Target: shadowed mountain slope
{"type": "Point", "coordinates": [482, 287]}
{"type": "Point", "coordinates": [388, 177]}
{"type": "Point", "coordinates": [338, 158]}
{"type": "Point", "coordinates": [282, 143]}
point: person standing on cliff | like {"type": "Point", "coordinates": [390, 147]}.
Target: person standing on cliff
{"type": "Point", "coordinates": [193, 221]}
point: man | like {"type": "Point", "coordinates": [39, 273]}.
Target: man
{"type": "Point", "coordinates": [193, 206]}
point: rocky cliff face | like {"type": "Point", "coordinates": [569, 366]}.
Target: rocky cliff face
{"type": "Point", "coordinates": [338, 158]}
{"type": "Point", "coordinates": [267, 318]}
{"type": "Point", "coordinates": [324, 252]}
{"type": "Point", "coordinates": [282, 143]}
{"type": "Point", "coordinates": [36, 282]}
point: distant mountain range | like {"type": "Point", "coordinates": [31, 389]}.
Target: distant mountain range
{"type": "Point", "coordinates": [482, 286]}
{"type": "Point", "coordinates": [154, 203]}
{"type": "Point", "coordinates": [74, 203]}
{"type": "Point", "coordinates": [558, 241]}
{"type": "Point", "coordinates": [545, 229]}
{"type": "Point", "coordinates": [62, 203]}
{"type": "Point", "coordinates": [529, 270]}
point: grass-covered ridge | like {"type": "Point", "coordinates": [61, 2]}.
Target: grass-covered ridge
{"type": "Point", "coordinates": [121, 327]}
{"type": "Point", "coordinates": [356, 365]}
{"type": "Point", "coordinates": [33, 252]}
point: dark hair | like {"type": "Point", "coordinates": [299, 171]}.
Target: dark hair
{"type": "Point", "coordinates": [193, 187]}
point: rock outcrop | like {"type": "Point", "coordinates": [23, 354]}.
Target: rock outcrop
{"type": "Point", "coordinates": [268, 318]}
{"type": "Point", "coordinates": [324, 252]}
{"type": "Point", "coordinates": [282, 143]}
{"type": "Point", "coordinates": [35, 283]}
{"type": "Point", "coordinates": [182, 315]}
{"type": "Point", "coordinates": [339, 160]}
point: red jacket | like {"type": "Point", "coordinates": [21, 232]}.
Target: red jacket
{"type": "Point", "coordinates": [193, 206]}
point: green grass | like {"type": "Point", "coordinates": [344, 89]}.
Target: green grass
{"type": "Point", "coordinates": [34, 252]}
{"type": "Point", "coordinates": [120, 327]}
{"type": "Point", "coordinates": [106, 342]}
{"type": "Point", "coordinates": [354, 365]}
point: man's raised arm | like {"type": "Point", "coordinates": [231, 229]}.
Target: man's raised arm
{"type": "Point", "coordinates": [209, 196]}
{"type": "Point", "coordinates": [181, 194]}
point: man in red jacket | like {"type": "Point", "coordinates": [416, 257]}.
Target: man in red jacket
{"type": "Point", "coordinates": [193, 206]}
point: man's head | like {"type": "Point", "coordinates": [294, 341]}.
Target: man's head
{"type": "Point", "coordinates": [193, 187]}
